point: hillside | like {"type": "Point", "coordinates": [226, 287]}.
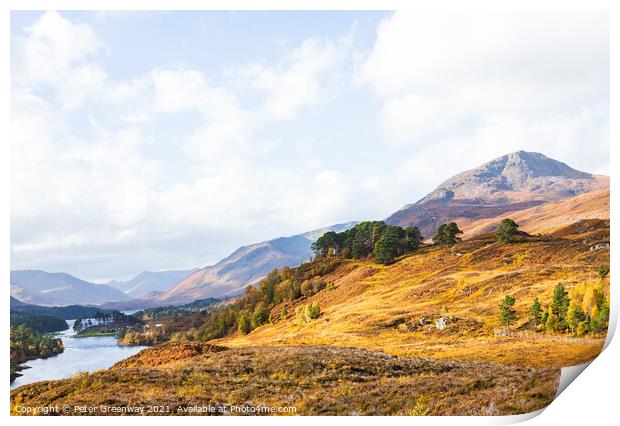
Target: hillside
{"type": "Point", "coordinates": [418, 336]}
{"type": "Point", "coordinates": [510, 183]}
{"type": "Point", "coordinates": [313, 380]}
{"type": "Point", "coordinates": [395, 308]}
{"type": "Point", "coordinates": [65, 312]}
{"type": "Point", "coordinates": [517, 182]}
{"type": "Point", "coordinates": [54, 289]}
{"type": "Point", "coordinates": [246, 266]}
{"type": "Point", "coordinates": [550, 215]}
{"type": "Point", "coordinates": [149, 282]}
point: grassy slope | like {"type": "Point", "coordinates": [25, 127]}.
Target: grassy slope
{"type": "Point", "coordinates": [402, 366]}
{"type": "Point", "coordinates": [315, 380]}
{"type": "Point", "coordinates": [379, 307]}
{"type": "Point", "coordinates": [551, 215]}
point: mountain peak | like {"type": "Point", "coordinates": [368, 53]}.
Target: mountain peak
{"type": "Point", "coordinates": [523, 165]}
{"type": "Point", "coordinates": [512, 182]}
{"type": "Point", "coordinates": [515, 177]}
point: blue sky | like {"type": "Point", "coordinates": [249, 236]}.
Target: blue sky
{"type": "Point", "coordinates": [165, 140]}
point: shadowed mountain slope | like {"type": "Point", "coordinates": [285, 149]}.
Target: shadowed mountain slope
{"type": "Point", "coordinates": [246, 266]}
{"type": "Point", "coordinates": [54, 289]}
{"type": "Point", "coordinates": [148, 282]}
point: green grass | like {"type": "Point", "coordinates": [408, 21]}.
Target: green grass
{"type": "Point", "coordinates": [95, 333]}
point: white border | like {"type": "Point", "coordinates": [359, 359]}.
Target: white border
{"type": "Point", "coordinates": [591, 399]}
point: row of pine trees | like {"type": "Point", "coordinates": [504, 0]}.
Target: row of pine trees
{"type": "Point", "coordinates": [583, 310]}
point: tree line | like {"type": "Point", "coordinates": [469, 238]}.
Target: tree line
{"type": "Point", "coordinates": [583, 310]}
{"type": "Point", "coordinates": [161, 312]}
{"type": "Point", "coordinates": [38, 323]}
{"type": "Point", "coordinates": [385, 242]}
{"type": "Point", "coordinates": [27, 344]}
{"type": "Point", "coordinates": [256, 307]}
{"type": "Point", "coordinates": [99, 318]}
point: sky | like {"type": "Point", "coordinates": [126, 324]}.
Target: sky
{"type": "Point", "coordinates": [166, 140]}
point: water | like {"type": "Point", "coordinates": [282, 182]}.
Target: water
{"type": "Point", "coordinates": [81, 354]}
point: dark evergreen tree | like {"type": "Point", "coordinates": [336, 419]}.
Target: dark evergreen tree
{"type": "Point", "coordinates": [260, 315]}
{"type": "Point", "coordinates": [506, 231]}
{"type": "Point", "coordinates": [507, 312]}
{"type": "Point", "coordinates": [603, 271]}
{"type": "Point", "coordinates": [559, 307]}
{"type": "Point", "coordinates": [448, 234]}
{"type": "Point", "coordinates": [413, 239]}
{"type": "Point", "coordinates": [574, 317]}
{"type": "Point", "coordinates": [536, 312]}
{"type": "Point", "coordinates": [387, 248]}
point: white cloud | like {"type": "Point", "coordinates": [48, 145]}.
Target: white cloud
{"type": "Point", "coordinates": [49, 48]}
{"type": "Point", "coordinates": [453, 92]}
{"type": "Point", "coordinates": [177, 91]}
{"type": "Point", "coordinates": [94, 197]}
{"type": "Point", "coordinates": [80, 84]}
{"type": "Point", "coordinates": [440, 72]}
{"type": "Point", "coordinates": [305, 76]}
{"type": "Point", "coordinates": [414, 116]}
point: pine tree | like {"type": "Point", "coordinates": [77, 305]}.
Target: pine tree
{"type": "Point", "coordinates": [260, 315]}
{"type": "Point", "coordinates": [244, 324]}
{"type": "Point", "coordinates": [574, 317]}
{"type": "Point", "coordinates": [536, 312]}
{"type": "Point", "coordinates": [447, 234]}
{"type": "Point", "coordinates": [559, 306]}
{"type": "Point", "coordinates": [309, 312]}
{"type": "Point", "coordinates": [386, 248]}
{"type": "Point", "coordinates": [413, 239]}
{"type": "Point", "coordinates": [312, 311]}
{"type": "Point", "coordinates": [507, 312]}
{"type": "Point", "coordinates": [603, 270]}
{"type": "Point", "coordinates": [506, 231]}
{"type": "Point", "coordinates": [551, 323]}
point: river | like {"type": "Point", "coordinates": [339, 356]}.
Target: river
{"type": "Point", "coordinates": [80, 354]}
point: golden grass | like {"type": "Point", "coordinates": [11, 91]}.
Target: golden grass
{"type": "Point", "coordinates": [316, 380]}
{"type": "Point", "coordinates": [380, 308]}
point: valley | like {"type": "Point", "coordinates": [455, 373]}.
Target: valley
{"type": "Point", "coordinates": [417, 336]}
{"type": "Point", "coordinates": [83, 354]}
{"type": "Point", "coordinates": [430, 312]}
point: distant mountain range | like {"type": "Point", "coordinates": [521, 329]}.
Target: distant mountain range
{"type": "Point", "coordinates": [509, 183]}
{"type": "Point", "coordinates": [150, 283]}
{"type": "Point", "coordinates": [245, 266]}
{"type": "Point", "coordinates": [59, 288]}
{"type": "Point", "coordinates": [66, 312]}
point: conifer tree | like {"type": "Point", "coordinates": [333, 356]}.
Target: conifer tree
{"type": "Point", "coordinates": [386, 248]}
{"type": "Point", "coordinates": [574, 317]}
{"type": "Point", "coordinates": [559, 306]}
{"type": "Point", "coordinates": [244, 325]}
{"type": "Point", "coordinates": [506, 231]}
{"type": "Point", "coordinates": [448, 234]}
{"type": "Point", "coordinates": [536, 312]}
{"type": "Point", "coordinates": [507, 312]}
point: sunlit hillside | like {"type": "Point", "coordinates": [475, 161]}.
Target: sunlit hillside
{"type": "Point", "coordinates": [420, 336]}
{"type": "Point", "coordinates": [302, 380]}
{"type": "Point", "coordinates": [395, 308]}
{"type": "Point", "coordinates": [549, 216]}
